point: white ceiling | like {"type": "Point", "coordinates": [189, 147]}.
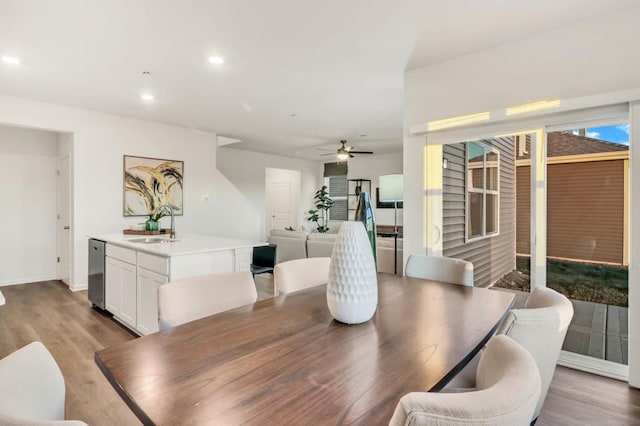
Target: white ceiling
{"type": "Point", "coordinates": [336, 64]}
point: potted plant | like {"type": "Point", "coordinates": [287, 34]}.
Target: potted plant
{"type": "Point", "coordinates": [321, 214]}
{"type": "Point", "coordinates": [152, 224]}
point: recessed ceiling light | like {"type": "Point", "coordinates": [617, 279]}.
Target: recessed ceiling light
{"type": "Point", "coordinates": [147, 96]}
{"type": "Point", "coordinates": [293, 115]}
{"type": "Point", "coordinates": [10, 60]}
{"type": "Point", "coordinates": [217, 60]}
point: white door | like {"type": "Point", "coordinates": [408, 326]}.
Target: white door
{"type": "Point", "coordinates": [282, 195]}
{"type": "Point", "coordinates": [64, 221]}
{"type": "Point", "coordinates": [281, 205]}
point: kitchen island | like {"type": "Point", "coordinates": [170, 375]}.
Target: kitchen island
{"type": "Point", "coordinates": [135, 266]}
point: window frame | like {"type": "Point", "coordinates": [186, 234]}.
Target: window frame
{"type": "Point", "coordinates": [487, 149]}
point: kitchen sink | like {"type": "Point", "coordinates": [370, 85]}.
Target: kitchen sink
{"type": "Point", "coordinates": [151, 240]}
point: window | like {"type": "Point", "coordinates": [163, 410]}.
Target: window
{"type": "Point", "coordinates": [483, 198]}
{"type": "Point", "coordinates": [338, 193]}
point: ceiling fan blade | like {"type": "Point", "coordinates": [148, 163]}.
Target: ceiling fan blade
{"type": "Point", "coordinates": [361, 152]}
{"type": "Point", "coordinates": [325, 149]}
{"type": "Point", "coordinates": [330, 153]}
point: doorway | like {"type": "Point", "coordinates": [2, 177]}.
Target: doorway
{"type": "Point", "coordinates": [63, 223]}
{"type": "Point", "coordinates": [282, 199]}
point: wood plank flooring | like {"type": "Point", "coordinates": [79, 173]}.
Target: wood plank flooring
{"type": "Point", "coordinates": [73, 331]}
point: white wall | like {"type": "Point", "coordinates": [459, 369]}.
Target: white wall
{"type": "Point", "coordinates": [372, 167]}
{"type": "Point", "coordinates": [246, 170]}
{"type": "Point", "coordinates": [28, 233]}
{"type": "Point", "coordinates": [590, 57]}
{"type": "Point", "coordinates": [211, 204]}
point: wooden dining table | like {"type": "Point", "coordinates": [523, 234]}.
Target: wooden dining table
{"type": "Point", "coordinates": [285, 360]}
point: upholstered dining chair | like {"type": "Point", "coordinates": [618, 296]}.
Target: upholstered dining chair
{"type": "Point", "coordinates": [299, 274]}
{"type": "Point", "coordinates": [193, 298]}
{"type": "Point", "coordinates": [508, 388]}
{"type": "Point", "coordinates": [32, 388]}
{"type": "Point", "coordinates": [540, 328]}
{"type": "Point", "coordinates": [447, 269]}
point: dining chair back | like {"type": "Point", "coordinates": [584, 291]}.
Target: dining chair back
{"type": "Point", "coordinates": [541, 328]}
{"type": "Point", "coordinates": [446, 269]}
{"type": "Point", "coordinates": [193, 298]}
{"type": "Point", "coordinates": [299, 274]}
{"type": "Point", "coordinates": [32, 390]}
{"type": "Point", "coordinates": [264, 259]}
{"type": "Point", "coordinates": [508, 387]}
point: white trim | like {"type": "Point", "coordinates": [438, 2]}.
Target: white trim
{"type": "Point", "coordinates": [592, 365]}
{"type": "Point", "coordinates": [483, 191]}
{"type": "Point", "coordinates": [581, 158]}
{"type": "Point", "coordinates": [566, 105]}
{"type": "Point", "coordinates": [634, 245]}
{"type": "Point", "coordinates": [538, 221]}
{"type": "Point", "coordinates": [611, 120]}
{"type": "Point", "coordinates": [432, 203]}
{"type": "Point", "coordinates": [618, 112]}
{"type": "Point", "coordinates": [29, 280]}
{"type": "Point", "coordinates": [79, 288]}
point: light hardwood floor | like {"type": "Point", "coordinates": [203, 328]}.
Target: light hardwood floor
{"type": "Point", "coordinates": [73, 331]}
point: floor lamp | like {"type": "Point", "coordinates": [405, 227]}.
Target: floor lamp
{"type": "Point", "coordinates": [391, 191]}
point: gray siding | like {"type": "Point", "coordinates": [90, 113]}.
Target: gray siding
{"type": "Point", "coordinates": [492, 257]}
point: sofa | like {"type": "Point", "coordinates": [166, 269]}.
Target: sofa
{"type": "Point", "coordinates": [298, 244]}
{"type": "Point", "coordinates": [320, 245]}
{"type": "Point", "coordinates": [291, 244]}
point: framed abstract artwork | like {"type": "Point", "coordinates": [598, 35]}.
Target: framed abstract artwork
{"type": "Point", "coordinates": [150, 183]}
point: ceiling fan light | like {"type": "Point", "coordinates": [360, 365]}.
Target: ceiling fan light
{"type": "Point", "coordinates": [342, 156]}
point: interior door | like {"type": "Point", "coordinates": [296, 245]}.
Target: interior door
{"type": "Point", "coordinates": [281, 205]}
{"type": "Point", "coordinates": [64, 221]}
{"type": "Point", "coordinates": [282, 197]}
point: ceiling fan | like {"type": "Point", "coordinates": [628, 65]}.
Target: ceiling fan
{"type": "Point", "coordinates": [345, 152]}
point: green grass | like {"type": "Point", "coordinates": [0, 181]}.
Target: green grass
{"type": "Point", "coordinates": [592, 282]}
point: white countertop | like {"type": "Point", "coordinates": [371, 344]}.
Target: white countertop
{"type": "Point", "coordinates": [184, 244]}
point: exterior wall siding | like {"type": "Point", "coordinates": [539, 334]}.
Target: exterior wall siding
{"type": "Point", "coordinates": [492, 257]}
{"type": "Point", "coordinates": [585, 211]}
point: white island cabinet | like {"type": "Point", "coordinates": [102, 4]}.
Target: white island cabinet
{"type": "Point", "coordinates": [135, 269]}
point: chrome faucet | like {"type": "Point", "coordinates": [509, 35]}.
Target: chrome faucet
{"type": "Point", "coordinates": [165, 207]}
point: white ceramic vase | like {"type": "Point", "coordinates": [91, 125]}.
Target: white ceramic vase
{"type": "Point", "coordinates": [352, 291]}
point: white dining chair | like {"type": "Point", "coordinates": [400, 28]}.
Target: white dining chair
{"type": "Point", "coordinates": [508, 388]}
{"type": "Point", "coordinates": [299, 274]}
{"type": "Point", "coordinates": [196, 297]}
{"type": "Point", "coordinates": [446, 269]}
{"type": "Point", "coordinates": [32, 390]}
{"type": "Point", "coordinates": [540, 328]}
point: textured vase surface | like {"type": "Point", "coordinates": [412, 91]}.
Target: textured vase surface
{"type": "Point", "coordinates": [352, 290]}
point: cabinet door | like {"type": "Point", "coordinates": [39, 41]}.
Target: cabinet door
{"type": "Point", "coordinates": [113, 286]}
{"type": "Point", "coordinates": [243, 259]}
{"type": "Point", "coordinates": [120, 291]}
{"type": "Point", "coordinates": [148, 284]}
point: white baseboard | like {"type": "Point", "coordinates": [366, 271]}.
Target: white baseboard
{"type": "Point", "coordinates": [28, 280]}
{"type": "Point", "coordinates": [79, 287]}
{"type": "Point", "coordinates": [592, 365]}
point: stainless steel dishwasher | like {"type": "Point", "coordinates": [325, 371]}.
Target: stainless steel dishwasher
{"type": "Point", "coordinates": [96, 272]}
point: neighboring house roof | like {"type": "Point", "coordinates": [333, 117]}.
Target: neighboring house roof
{"type": "Point", "coordinates": [561, 144]}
